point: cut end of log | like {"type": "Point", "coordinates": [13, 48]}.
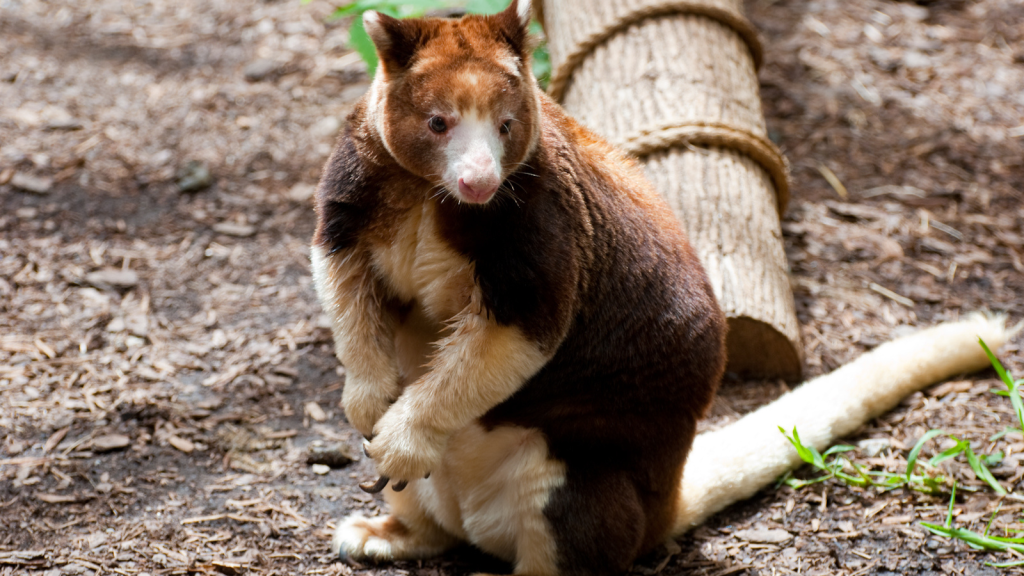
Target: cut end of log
{"type": "Point", "coordinates": [758, 350]}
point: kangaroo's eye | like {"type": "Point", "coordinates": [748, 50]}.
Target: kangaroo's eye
{"type": "Point", "coordinates": [437, 124]}
{"type": "Point", "coordinates": [506, 127]}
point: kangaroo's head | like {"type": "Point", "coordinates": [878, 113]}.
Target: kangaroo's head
{"type": "Point", "coordinates": [454, 101]}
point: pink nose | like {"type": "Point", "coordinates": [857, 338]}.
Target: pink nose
{"type": "Point", "coordinates": [477, 191]}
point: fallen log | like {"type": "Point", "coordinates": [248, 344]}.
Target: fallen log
{"type": "Point", "coordinates": [675, 84]}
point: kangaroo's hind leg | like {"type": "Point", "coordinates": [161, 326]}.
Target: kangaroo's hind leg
{"type": "Point", "coordinates": [598, 522]}
{"type": "Point", "coordinates": [407, 533]}
{"type": "Point", "coordinates": [491, 490]}
{"type": "Point", "coordinates": [588, 527]}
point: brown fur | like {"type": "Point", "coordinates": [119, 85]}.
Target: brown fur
{"type": "Point", "coordinates": [574, 307]}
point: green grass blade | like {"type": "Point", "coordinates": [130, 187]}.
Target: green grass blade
{"type": "Point", "coordinates": [805, 454]}
{"type": "Point", "coordinates": [993, 459]}
{"type": "Point", "coordinates": [816, 458]}
{"type": "Point", "coordinates": [952, 500]}
{"type": "Point", "coordinates": [997, 365]}
{"type": "Point", "coordinates": [982, 472]}
{"type": "Point", "coordinates": [1004, 432]}
{"type": "Point", "coordinates": [865, 476]}
{"type": "Point", "coordinates": [941, 457]}
{"type": "Point", "coordinates": [912, 458]}
{"type": "Point", "coordinates": [1018, 403]}
{"type": "Point", "coordinates": [1011, 384]}
{"type": "Point", "coordinates": [971, 537]}
{"type": "Point", "coordinates": [852, 480]}
{"type": "Point", "coordinates": [992, 519]}
{"type": "Point", "coordinates": [1005, 564]}
{"type": "Point", "coordinates": [838, 449]}
{"type": "Point", "coordinates": [797, 483]}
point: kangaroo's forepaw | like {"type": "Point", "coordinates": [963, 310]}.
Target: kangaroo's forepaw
{"type": "Point", "coordinates": [366, 402]}
{"type": "Point", "coordinates": [402, 449]}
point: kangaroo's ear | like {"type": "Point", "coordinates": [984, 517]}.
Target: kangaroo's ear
{"type": "Point", "coordinates": [513, 26]}
{"type": "Point", "coordinates": [396, 40]}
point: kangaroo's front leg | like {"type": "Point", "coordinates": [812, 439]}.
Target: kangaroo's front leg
{"type": "Point", "coordinates": [364, 333]}
{"type": "Point", "coordinates": [479, 365]}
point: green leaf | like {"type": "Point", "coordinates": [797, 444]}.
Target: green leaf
{"type": "Point", "coordinates": [357, 8]}
{"type": "Point", "coordinates": [361, 43]}
{"type": "Point", "coordinates": [912, 458]}
{"type": "Point", "coordinates": [542, 65]}
{"type": "Point", "coordinates": [486, 6]}
{"type": "Point", "coordinates": [394, 8]}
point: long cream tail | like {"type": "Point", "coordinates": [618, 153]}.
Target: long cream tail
{"type": "Point", "coordinates": [733, 463]}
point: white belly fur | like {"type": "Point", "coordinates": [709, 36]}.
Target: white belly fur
{"type": "Point", "coordinates": [491, 490]}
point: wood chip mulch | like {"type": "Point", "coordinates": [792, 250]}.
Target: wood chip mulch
{"type": "Point", "coordinates": [168, 393]}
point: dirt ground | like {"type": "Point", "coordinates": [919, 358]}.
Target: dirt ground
{"type": "Point", "coordinates": [164, 367]}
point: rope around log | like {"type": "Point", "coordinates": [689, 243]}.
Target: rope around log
{"type": "Point", "coordinates": [672, 134]}
{"type": "Point", "coordinates": [726, 15]}
{"type": "Point", "coordinates": [647, 141]}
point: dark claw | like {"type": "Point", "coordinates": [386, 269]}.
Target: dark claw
{"type": "Point", "coordinates": [427, 475]}
{"type": "Point", "coordinates": [400, 485]}
{"type": "Point", "coordinates": [366, 450]}
{"type": "Point", "coordinates": [344, 558]}
{"type": "Point", "coordinates": [376, 486]}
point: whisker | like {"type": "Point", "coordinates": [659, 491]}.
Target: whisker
{"type": "Point", "coordinates": [509, 193]}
